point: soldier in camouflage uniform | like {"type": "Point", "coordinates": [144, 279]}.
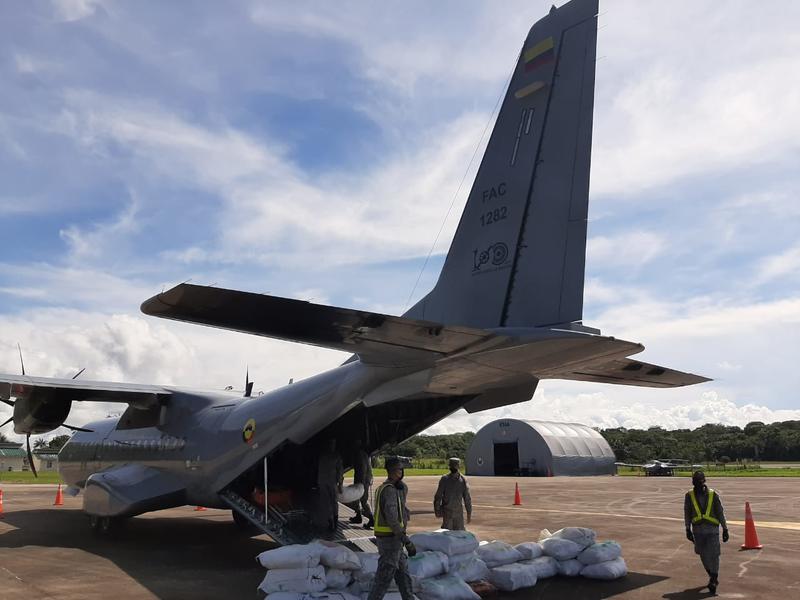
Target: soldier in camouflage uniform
{"type": "Point", "coordinates": [703, 514]}
{"type": "Point", "coordinates": [391, 519]}
{"type": "Point", "coordinates": [447, 503]}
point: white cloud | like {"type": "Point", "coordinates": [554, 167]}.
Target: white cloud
{"type": "Point", "coordinates": [600, 409]}
{"type": "Point", "coordinates": [785, 264]}
{"type": "Point", "coordinates": [634, 248]}
{"type": "Point", "coordinates": [74, 10]}
{"type": "Point", "coordinates": [272, 211]}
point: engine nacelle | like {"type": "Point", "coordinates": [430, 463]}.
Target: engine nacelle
{"type": "Point", "coordinates": [40, 412]}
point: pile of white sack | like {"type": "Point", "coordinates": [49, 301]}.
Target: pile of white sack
{"type": "Point", "coordinates": [571, 551]}
{"type": "Point", "coordinates": [447, 562]}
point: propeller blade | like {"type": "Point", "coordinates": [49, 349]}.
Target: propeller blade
{"type": "Point", "coordinates": [7, 422]}
{"type": "Point", "coordinates": [73, 428]}
{"type": "Point", "coordinates": [4, 401]}
{"type": "Point", "coordinates": [21, 362]}
{"type": "Point", "coordinates": [78, 374]}
{"type": "Point", "coordinates": [30, 455]}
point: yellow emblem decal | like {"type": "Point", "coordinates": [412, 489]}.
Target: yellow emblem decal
{"type": "Point", "coordinates": [249, 431]}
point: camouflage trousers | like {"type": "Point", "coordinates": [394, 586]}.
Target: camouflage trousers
{"type": "Point", "coordinates": [392, 564]}
{"type": "Point", "coordinates": [453, 519]}
{"type": "Point", "coordinates": [361, 506]}
{"type": "Point", "coordinates": [706, 544]}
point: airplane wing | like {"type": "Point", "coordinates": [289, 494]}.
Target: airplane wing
{"type": "Point", "coordinates": [21, 386]}
{"type": "Point", "coordinates": [625, 371]}
{"type": "Point", "coordinates": [368, 334]}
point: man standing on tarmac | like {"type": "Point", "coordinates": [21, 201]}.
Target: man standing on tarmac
{"type": "Point", "coordinates": [362, 473]}
{"type": "Point", "coordinates": [703, 514]}
{"type": "Point", "coordinates": [447, 502]}
{"type": "Point", "coordinates": [391, 519]}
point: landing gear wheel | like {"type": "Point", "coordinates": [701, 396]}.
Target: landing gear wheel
{"type": "Point", "coordinates": [105, 526]}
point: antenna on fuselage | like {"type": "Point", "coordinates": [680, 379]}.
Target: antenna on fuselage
{"type": "Point", "coordinates": [248, 385]}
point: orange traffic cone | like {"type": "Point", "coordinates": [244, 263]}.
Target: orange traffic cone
{"type": "Point", "coordinates": [199, 508]}
{"type": "Point", "coordinates": [517, 496]}
{"type": "Point", "coordinates": [750, 535]}
{"type": "Point", "coordinates": [59, 497]}
{"type": "Point", "coordinates": [1, 503]}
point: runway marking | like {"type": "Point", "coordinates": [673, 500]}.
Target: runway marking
{"type": "Point", "coordinates": [792, 526]}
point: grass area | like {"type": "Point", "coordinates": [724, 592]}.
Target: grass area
{"type": "Point", "coordinates": [752, 471]}
{"type": "Point", "coordinates": [380, 474]}
{"type": "Point", "coordinates": [27, 477]}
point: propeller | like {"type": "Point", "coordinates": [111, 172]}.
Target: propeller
{"type": "Point", "coordinates": [78, 374]}
{"type": "Point", "coordinates": [248, 385]}
{"type": "Point", "coordinates": [21, 362]}
{"type": "Point", "coordinates": [8, 421]}
{"type": "Point", "coordinates": [30, 455]}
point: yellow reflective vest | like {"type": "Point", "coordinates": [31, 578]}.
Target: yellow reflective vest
{"type": "Point", "coordinates": [382, 529]}
{"type": "Point", "coordinates": [699, 516]}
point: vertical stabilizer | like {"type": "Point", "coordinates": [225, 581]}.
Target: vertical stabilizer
{"type": "Point", "coordinates": [517, 258]}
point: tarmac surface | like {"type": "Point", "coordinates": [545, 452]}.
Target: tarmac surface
{"type": "Point", "coordinates": [49, 552]}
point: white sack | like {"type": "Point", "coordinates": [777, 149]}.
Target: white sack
{"type": "Point", "coordinates": [368, 565]}
{"type": "Point", "coordinates": [458, 559]}
{"type": "Point", "coordinates": [446, 587]}
{"type": "Point", "coordinates": [386, 596]}
{"type": "Point", "coordinates": [429, 563]}
{"type": "Point", "coordinates": [544, 534]}
{"type": "Point", "coordinates": [337, 579]}
{"type": "Point", "coordinates": [326, 595]}
{"type": "Point", "coordinates": [546, 566]}
{"type": "Point", "coordinates": [350, 493]}
{"type": "Point", "coordinates": [561, 549]}
{"type": "Point", "coordinates": [469, 569]}
{"type": "Point", "coordinates": [580, 535]}
{"type": "Point", "coordinates": [600, 552]}
{"type": "Point", "coordinates": [337, 556]}
{"type": "Point", "coordinates": [294, 580]}
{"type": "Point", "coordinates": [497, 553]}
{"type": "Point", "coordinates": [530, 550]}
{"type": "Point", "coordinates": [296, 556]}
{"type": "Point", "coordinates": [449, 542]}
{"type": "Point", "coordinates": [570, 568]}
{"type": "Point", "coordinates": [508, 578]}
{"type": "Point", "coordinates": [612, 569]}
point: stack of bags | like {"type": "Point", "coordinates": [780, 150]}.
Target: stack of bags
{"type": "Point", "coordinates": [449, 565]}
{"type": "Point", "coordinates": [319, 570]}
{"type": "Point", "coordinates": [445, 564]}
{"type": "Point", "coordinates": [569, 552]}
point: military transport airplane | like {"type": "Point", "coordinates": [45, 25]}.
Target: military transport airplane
{"type": "Point", "coordinates": [661, 468]}
{"type": "Point", "coordinates": [505, 313]}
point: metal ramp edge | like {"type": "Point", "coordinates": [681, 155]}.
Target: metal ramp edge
{"type": "Point", "coordinates": [280, 528]}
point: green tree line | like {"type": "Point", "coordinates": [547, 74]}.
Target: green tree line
{"type": "Point", "coordinates": [439, 447]}
{"type": "Point", "coordinates": [720, 443]}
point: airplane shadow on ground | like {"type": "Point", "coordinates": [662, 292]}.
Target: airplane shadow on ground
{"type": "Point", "coordinates": [177, 557]}
{"type": "Point", "coordinates": [172, 556]}
{"type": "Point", "coordinates": [579, 588]}
{"type": "Point", "coordinates": [689, 594]}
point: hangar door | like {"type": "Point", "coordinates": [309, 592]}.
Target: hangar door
{"type": "Point", "coordinates": [506, 458]}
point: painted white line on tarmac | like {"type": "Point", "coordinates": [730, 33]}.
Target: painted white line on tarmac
{"type": "Point", "coordinates": [768, 524]}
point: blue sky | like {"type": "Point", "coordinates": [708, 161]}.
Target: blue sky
{"type": "Point", "coordinates": [312, 150]}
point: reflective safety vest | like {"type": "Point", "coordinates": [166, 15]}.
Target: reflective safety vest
{"type": "Point", "coordinates": [698, 516]}
{"type": "Point", "coordinates": [382, 529]}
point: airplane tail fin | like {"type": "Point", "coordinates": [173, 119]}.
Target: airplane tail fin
{"type": "Point", "coordinates": [518, 255]}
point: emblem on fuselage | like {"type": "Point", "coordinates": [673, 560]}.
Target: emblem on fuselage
{"type": "Point", "coordinates": [249, 431]}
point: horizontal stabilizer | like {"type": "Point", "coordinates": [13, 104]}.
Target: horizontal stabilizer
{"type": "Point", "coordinates": [374, 337]}
{"type": "Point", "coordinates": [632, 372]}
